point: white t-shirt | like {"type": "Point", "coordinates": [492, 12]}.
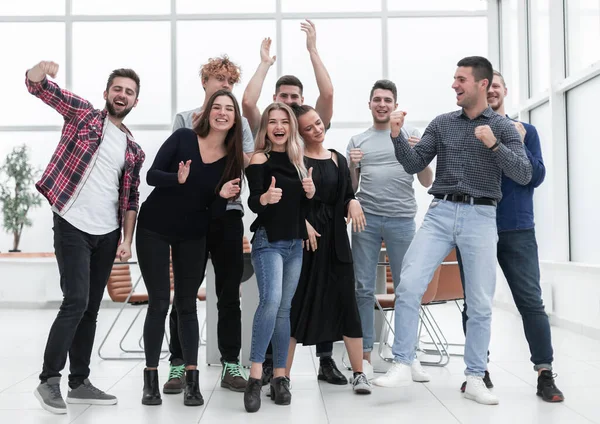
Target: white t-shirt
{"type": "Point", "coordinates": [96, 208]}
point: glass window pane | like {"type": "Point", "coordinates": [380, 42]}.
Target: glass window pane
{"type": "Point", "coordinates": [32, 7]}
{"type": "Point", "coordinates": [23, 108]}
{"type": "Point", "coordinates": [437, 5]}
{"type": "Point", "coordinates": [146, 49]}
{"type": "Point", "coordinates": [583, 33]}
{"type": "Point", "coordinates": [539, 45]}
{"type": "Point", "coordinates": [121, 7]}
{"type": "Point", "coordinates": [330, 6]}
{"type": "Point", "coordinates": [38, 237]}
{"type": "Point", "coordinates": [543, 196]}
{"type": "Point", "coordinates": [192, 53]}
{"type": "Point", "coordinates": [584, 185]}
{"type": "Point", "coordinates": [424, 80]}
{"type": "Point", "coordinates": [510, 54]}
{"type": "Point", "coordinates": [231, 6]}
{"type": "Point", "coordinates": [353, 65]}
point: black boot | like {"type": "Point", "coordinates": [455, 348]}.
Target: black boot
{"type": "Point", "coordinates": [191, 394]}
{"type": "Point", "coordinates": [267, 372]}
{"type": "Point", "coordinates": [280, 391]}
{"type": "Point", "coordinates": [252, 394]}
{"type": "Point", "coordinates": [328, 371]}
{"type": "Point", "coordinates": [151, 394]}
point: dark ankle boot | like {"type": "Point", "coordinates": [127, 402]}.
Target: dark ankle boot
{"type": "Point", "coordinates": [151, 394]}
{"type": "Point", "coordinates": [280, 391]}
{"type": "Point", "coordinates": [252, 394]}
{"type": "Point", "coordinates": [191, 394]}
{"type": "Point", "coordinates": [329, 372]}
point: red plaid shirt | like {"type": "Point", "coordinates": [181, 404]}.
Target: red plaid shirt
{"type": "Point", "coordinates": [81, 136]}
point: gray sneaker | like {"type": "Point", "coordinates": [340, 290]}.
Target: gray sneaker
{"type": "Point", "coordinates": [49, 395]}
{"type": "Point", "coordinates": [87, 394]}
{"type": "Point", "coordinates": [361, 385]}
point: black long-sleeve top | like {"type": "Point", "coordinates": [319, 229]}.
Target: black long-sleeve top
{"type": "Point", "coordinates": [182, 210]}
{"type": "Point", "coordinates": [283, 220]}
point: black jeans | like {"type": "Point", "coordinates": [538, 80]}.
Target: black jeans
{"type": "Point", "coordinates": [84, 263]}
{"type": "Point", "coordinates": [518, 258]}
{"type": "Point", "coordinates": [224, 243]}
{"type": "Point", "coordinates": [188, 258]}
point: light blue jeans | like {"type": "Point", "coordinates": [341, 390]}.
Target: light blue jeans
{"type": "Point", "coordinates": [366, 245]}
{"type": "Point", "coordinates": [448, 224]}
{"type": "Point", "coordinates": [277, 266]}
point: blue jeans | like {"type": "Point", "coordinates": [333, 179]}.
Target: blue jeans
{"type": "Point", "coordinates": [471, 228]}
{"type": "Point", "coordinates": [366, 245]}
{"type": "Point", "coordinates": [518, 258]}
{"type": "Point", "coordinates": [277, 266]}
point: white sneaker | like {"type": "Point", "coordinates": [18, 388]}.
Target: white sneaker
{"type": "Point", "coordinates": [477, 391]}
{"type": "Point", "coordinates": [368, 369]}
{"type": "Point", "coordinates": [397, 376]}
{"type": "Point", "coordinates": [419, 375]}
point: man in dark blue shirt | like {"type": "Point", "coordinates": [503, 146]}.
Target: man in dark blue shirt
{"type": "Point", "coordinates": [518, 252]}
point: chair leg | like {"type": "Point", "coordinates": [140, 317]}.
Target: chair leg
{"type": "Point", "coordinates": [437, 341]}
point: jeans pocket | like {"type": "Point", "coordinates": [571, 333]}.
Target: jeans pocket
{"type": "Point", "coordinates": [260, 240]}
{"type": "Point", "coordinates": [486, 211]}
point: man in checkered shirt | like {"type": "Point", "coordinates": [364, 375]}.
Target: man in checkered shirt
{"type": "Point", "coordinates": [474, 147]}
{"type": "Point", "coordinates": [92, 185]}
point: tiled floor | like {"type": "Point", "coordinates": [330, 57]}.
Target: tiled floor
{"type": "Point", "coordinates": [23, 334]}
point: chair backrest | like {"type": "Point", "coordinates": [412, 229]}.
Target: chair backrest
{"type": "Point", "coordinates": [246, 245]}
{"type": "Point", "coordinates": [450, 285]}
{"type": "Point", "coordinates": [119, 283]}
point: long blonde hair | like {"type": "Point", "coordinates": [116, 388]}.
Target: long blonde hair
{"type": "Point", "coordinates": [294, 147]}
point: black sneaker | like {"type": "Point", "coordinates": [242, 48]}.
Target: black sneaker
{"type": "Point", "coordinates": [267, 373]}
{"type": "Point", "coordinates": [486, 379]}
{"type": "Point", "coordinates": [329, 372]}
{"type": "Point", "coordinates": [546, 387]}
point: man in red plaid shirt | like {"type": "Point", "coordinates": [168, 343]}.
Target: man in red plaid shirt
{"type": "Point", "coordinates": [92, 185]}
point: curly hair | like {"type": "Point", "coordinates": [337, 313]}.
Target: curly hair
{"type": "Point", "coordinates": [220, 65]}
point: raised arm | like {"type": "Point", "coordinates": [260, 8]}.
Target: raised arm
{"type": "Point", "coordinates": [533, 150]}
{"type": "Point", "coordinates": [413, 159]}
{"type": "Point", "coordinates": [324, 105]}
{"type": "Point", "coordinates": [426, 175]}
{"type": "Point", "coordinates": [255, 85]}
{"type": "Point", "coordinates": [64, 102]}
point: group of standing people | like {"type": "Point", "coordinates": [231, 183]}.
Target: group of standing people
{"type": "Point", "coordinates": [313, 288]}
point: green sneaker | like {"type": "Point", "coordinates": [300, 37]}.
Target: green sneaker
{"type": "Point", "coordinates": [233, 377]}
{"type": "Point", "coordinates": [176, 381]}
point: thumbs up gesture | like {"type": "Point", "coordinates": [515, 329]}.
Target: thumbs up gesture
{"type": "Point", "coordinates": [308, 185]}
{"type": "Point", "coordinates": [272, 195]}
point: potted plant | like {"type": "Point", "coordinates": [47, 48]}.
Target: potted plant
{"type": "Point", "coordinates": [16, 194]}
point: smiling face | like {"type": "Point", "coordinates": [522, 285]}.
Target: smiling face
{"type": "Point", "coordinates": [311, 127]}
{"type": "Point", "coordinates": [121, 97]}
{"type": "Point", "coordinates": [221, 81]}
{"type": "Point", "coordinates": [497, 93]}
{"type": "Point", "coordinates": [468, 91]}
{"type": "Point", "coordinates": [222, 114]}
{"type": "Point", "coordinates": [278, 129]}
{"type": "Point", "coordinates": [382, 105]}
{"type": "Point", "coordinates": [289, 94]}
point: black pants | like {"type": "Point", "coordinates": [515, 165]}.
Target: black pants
{"type": "Point", "coordinates": [84, 263]}
{"type": "Point", "coordinates": [188, 258]}
{"type": "Point", "coordinates": [324, 349]}
{"type": "Point", "coordinates": [224, 243]}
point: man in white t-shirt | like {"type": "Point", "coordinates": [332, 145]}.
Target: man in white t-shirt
{"type": "Point", "coordinates": [92, 185]}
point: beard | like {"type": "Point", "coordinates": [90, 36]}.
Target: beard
{"type": "Point", "coordinates": [112, 112]}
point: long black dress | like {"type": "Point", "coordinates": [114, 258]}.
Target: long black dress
{"type": "Point", "coordinates": [324, 307]}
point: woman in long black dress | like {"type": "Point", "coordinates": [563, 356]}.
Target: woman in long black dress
{"type": "Point", "coordinates": [324, 306]}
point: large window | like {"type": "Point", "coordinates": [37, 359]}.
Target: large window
{"type": "Point", "coordinates": [509, 32]}
{"type": "Point", "coordinates": [584, 184]}
{"type": "Point", "coordinates": [583, 34]}
{"type": "Point", "coordinates": [539, 45]}
{"type": "Point", "coordinates": [544, 219]}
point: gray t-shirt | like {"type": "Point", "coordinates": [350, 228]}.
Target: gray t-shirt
{"type": "Point", "coordinates": [184, 120]}
{"type": "Point", "coordinates": [385, 188]}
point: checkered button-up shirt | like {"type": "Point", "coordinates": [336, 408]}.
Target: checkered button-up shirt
{"type": "Point", "coordinates": [77, 151]}
{"type": "Point", "coordinates": [464, 164]}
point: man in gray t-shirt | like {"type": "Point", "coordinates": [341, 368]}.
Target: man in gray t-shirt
{"type": "Point", "coordinates": [224, 243]}
{"type": "Point", "coordinates": [386, 195]}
